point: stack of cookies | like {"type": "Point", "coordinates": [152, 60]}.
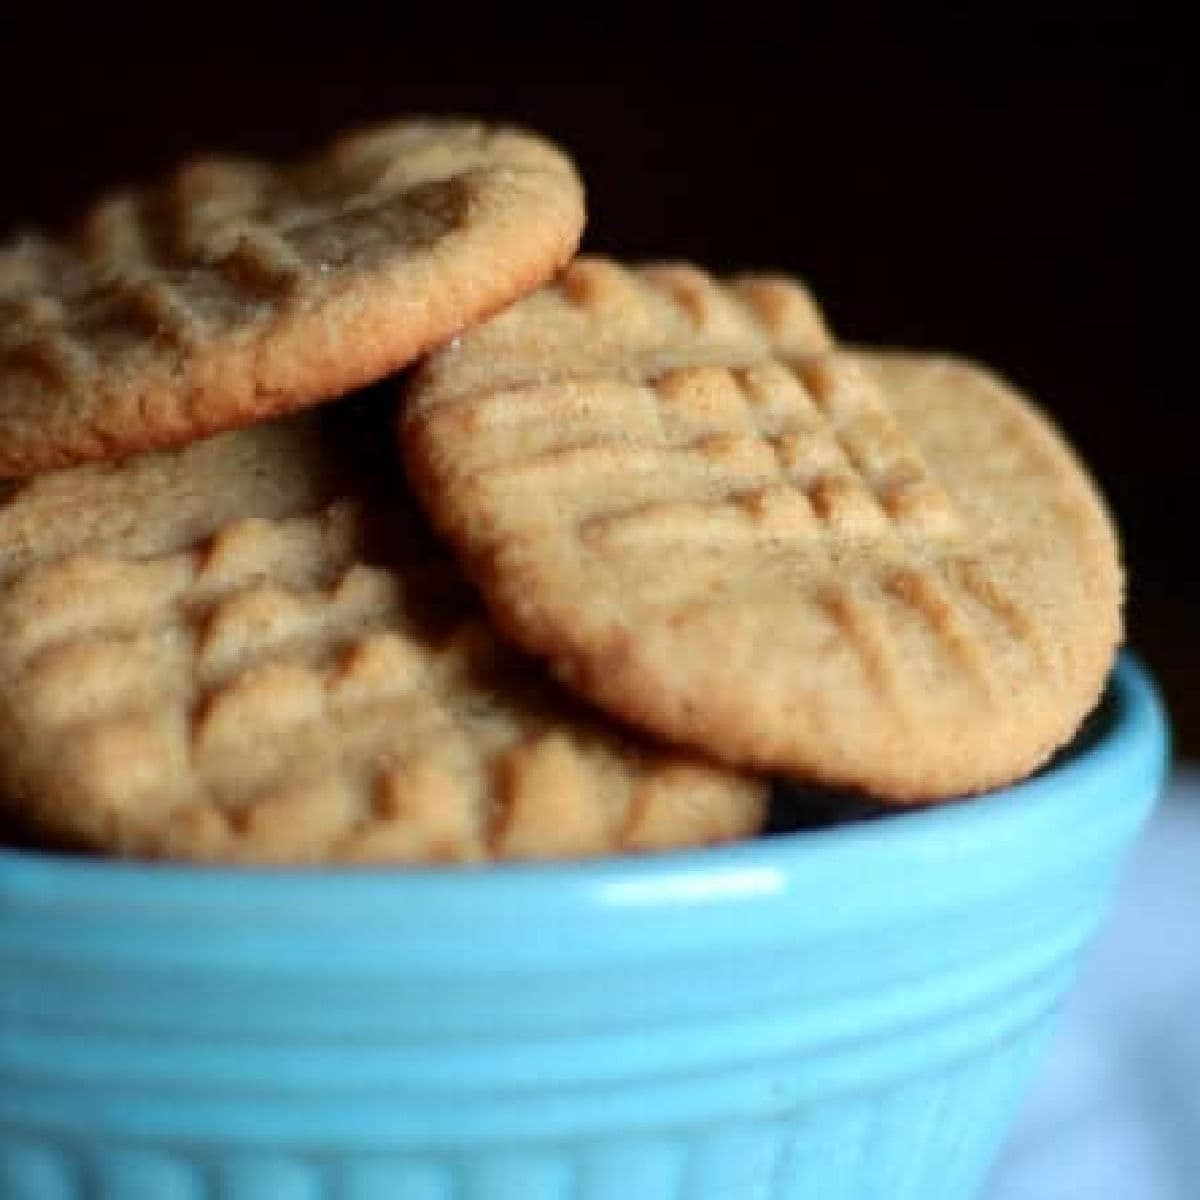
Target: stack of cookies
{"type": "Point", "coordinates": [623, 544]}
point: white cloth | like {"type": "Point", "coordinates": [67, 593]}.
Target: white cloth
{"type": "Point", "coordinates": [1115, 1113]}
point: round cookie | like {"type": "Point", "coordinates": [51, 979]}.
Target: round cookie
{"type": "Point", "coordinates": [237, 289]}
{"type": "Point", "coordinates": [313, 688]}
{"type": "Point", "coordinates": [883, 572]}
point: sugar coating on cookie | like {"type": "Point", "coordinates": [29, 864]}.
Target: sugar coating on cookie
{"type": "Point", "coordinates": [237, 289]}
{"type": "Point", "coordinates": [886, 572]}
{"type": "Point", "coordinates": [315, 688]}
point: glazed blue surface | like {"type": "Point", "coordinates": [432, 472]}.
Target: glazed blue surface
{"type": "Point", "coordinates": [845, 1012]}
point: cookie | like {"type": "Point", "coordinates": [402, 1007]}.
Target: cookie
{"type": "Point", "coordinates": [237, 289]}
{"type": "Point", "coordinates": [886, 573]}
{"type": "Point", "coordinates": [315, 688]}
{"type": "Point", "coordinates": [270, 470]}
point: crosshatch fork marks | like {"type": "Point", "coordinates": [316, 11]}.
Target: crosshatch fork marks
{"type": "Point", "coordinates": [268, 696]}
{"type": "Point", "coordinates": [773, 513]}
{"type": "Point", "coordinates": [705, 437]}
{"type": "Point", "coordinates": [926, 594]}
{"type": "Point", "coordinates": [233, 290]}
{"type": "Point", "coordinates": [673, 601]}
{"type": "Point", "coordinates": [982, 586]}
{"type": "Point", "coordinates": [757, 313]}
{"type": "Point", "coordinates": [866, 629]}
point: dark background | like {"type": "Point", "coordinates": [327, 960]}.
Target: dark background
{"type": "Point", "coordinates": [998, 191]}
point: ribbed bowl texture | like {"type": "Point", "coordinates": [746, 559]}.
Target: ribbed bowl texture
{"type": "Point", "coordinates": [842, 1013]}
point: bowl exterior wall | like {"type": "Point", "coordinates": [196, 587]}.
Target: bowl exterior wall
{"type": "Point", "coordinates": [850, 1013]}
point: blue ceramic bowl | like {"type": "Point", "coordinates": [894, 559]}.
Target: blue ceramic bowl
{"type": "Point", "coordinates": [851, 1012]}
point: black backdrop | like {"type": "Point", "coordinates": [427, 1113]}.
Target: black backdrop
{"type": "Point", "coordinates": [996, 192]}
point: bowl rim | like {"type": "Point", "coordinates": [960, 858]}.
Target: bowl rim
{"type": "Point", "coordinates": [1123, 755]}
